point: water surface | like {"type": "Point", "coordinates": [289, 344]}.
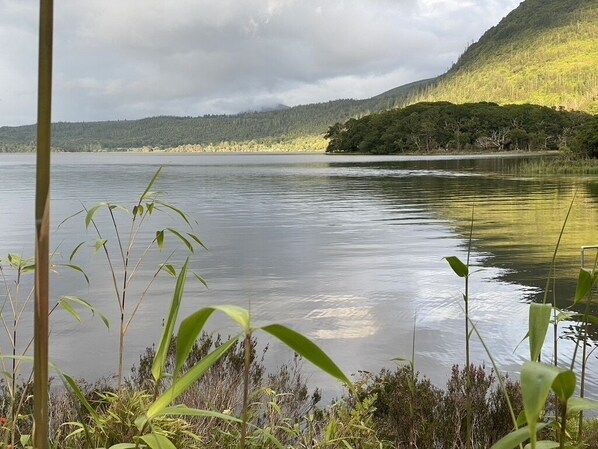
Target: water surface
{"type": "Point", "coordinates": [348, 250]}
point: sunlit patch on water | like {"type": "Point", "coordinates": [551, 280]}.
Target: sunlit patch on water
{"type": "Point", "coordinates": [339, 320]}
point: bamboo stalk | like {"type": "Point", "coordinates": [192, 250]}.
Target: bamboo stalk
{"type": "Point", "coordinates": [42, 227]}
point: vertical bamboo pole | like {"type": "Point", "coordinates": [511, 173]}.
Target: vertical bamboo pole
{"type": "Point", "coordinates": [42, 227]}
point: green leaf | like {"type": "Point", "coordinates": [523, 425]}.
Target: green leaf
{"type": "Point", "coordinates": [544, 444]}
{"type": "Point", "coordinates": [189, 330]}
{"type": "Point", "coordinates": [91, 213]}
{"type": "Point", "coordinates": [308, 350]}
{"type": "Point", "coordinates": [169, 269]}
{"type": "Point", "coordinates": [536, 382]}
{"type": "Point", "coordinates": [162, 353]}
{"type": "Point", "coordinates": [202, 280]}
{"type": "Point", "coordinates": [80, 396]}
{"type": "Point", "coordinates": [72, 256]}
{"type": "Point", "coordinates": [564, 385]}
{"type": "Point", "coordinates": [146, 193]}
{"type": "Point", "coordinates": [514, 438]}
{"type": "Point", "coordinates": [181, 410]}
{"type": "Point", "coordinates": [66, 306]}
{"type": "Point", "coordinates": [182, 239]}
{"type": "Point", "coordinates": [197, 240]}
{"type": "Point", "coordinates": [123, 446]}
{"type": "Point", "coordinates": [185, 382]}
{"type": "Point", "coordinates": [158, 441]}
{"type": "Point", "coordinates": [100, 244]}
{"type": "Point", "coordinates": [539, 320]}
{"type": "Point", "coordinates": [458, 267]}
{"type": "Point", "coordinates": [581, 404]}
{"type": "Point", "coordinates": [585, 281]}
{"type": "Point", "coordinates": [174, 209]}
{"type": "Point", "coordinates": [74, 268]}
{"type": "Point", "coordinates": [66, 301]}
{"type": "Point", "coordinates": [160, 239]}
{"type": "Point", "coordinates": [238, 314]}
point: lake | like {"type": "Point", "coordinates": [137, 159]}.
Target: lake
{"type": "Point", "coordinates": [345, 249]}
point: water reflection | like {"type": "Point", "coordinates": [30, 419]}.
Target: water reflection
{"type": "Point", "coordinates": [347, 250]}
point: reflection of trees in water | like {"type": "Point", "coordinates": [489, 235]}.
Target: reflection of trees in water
{"type": "Point", "coordinates": [517, 221]}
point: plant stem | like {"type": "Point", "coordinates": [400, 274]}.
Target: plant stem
{"type": "Point", "coordinates": [42, 226]}
{"type": "Point", "coordinates": [246, 388]}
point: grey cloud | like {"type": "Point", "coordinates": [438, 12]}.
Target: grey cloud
{"type": "Point", "coordinates": [134, 58]}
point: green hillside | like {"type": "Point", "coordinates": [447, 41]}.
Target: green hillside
{"type": "Point", "coordinates": [544, 52]}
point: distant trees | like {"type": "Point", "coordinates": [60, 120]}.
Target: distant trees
{"type": "Point", "coordinates": [443, 126]}
{"type": "Point", "coordinates": [585, 142]}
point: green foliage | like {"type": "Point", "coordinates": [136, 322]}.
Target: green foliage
{"type": "Point", "coordinates": [443, 126]}
{"type": "Point", "coordinates": [585, 143]}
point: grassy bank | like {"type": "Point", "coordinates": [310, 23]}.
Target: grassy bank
{"type": "Point", "coordinates": [558, 165]}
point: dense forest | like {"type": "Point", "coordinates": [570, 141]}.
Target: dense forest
{"type": "Point", "coordinates": [443, 126]}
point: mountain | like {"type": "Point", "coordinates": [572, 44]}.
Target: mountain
{"type": "Point", "coordinates": [265, 127]}
{"type": "Point", "coordinates": [544, 52]}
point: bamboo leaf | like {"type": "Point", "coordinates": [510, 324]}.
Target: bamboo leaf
{"type": "Point", "coordinates": [72, 256]}
{"type": "Point", "coordinates": [189, 331]}
{"type": "Point", "coordinates": [174, 209]}
{"type": "Point", "coordinates": [91, 213]}
{"type": "Point", "coordinates": [185, 382]}
{"type": "Point", "coordinates": [100, 244]}
{"type": "Point", "coordinates": [197, 240]}
{"type": "Point", "coordinates": [238, 314]}
{"type": "Point", "coordinates": [182, 239]}
{"type": "Point", "coordinates": [564, 385]}
{"type": "Point", "coordinates": [536, 382]}
{"type": "Point", "coordinates": [158, 441]}
{"type": "Point", "coordinates": [515, 438]}
{"type": "Point", "coordinates": [458, 267]}
{"type": "Point", "coordinates": [545, 444]}
{"type": "Point", "coordinates": [81, 397]}
{"type": "Point", "coordinates": [202, 280]}
{"type": "Point", "coordinates": [539, 320]}
{"type": "Point", "coordinates": [169, 269]}
{"type": "Point", "coordinates": [581, 404]}
{"type": "Point", "coordinates": [160, 239]}
{"type": "Point", "coordinates": [585, 281]}
{"type": "Point", "coordinates": [66, 306]}
{"type": "Point", "coordinates": [75, 268]}
{"type": "Point", "coordinates": [162, 353]}
{"type": "Point", "coordinates": [180, 410]}
{"type": "Point", "coordinates": [85, 304]}
{"type": "Point", "coordinates": [146, 193]}
{"type": "Point", "coordinates": [308, 350]}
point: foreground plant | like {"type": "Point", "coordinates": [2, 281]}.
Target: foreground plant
{"type": "Point", "coordinates": [123, 256]}
{"type": "Point", "coordinates": [149, 433]}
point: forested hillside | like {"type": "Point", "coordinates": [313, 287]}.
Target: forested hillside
{"type": "Point", "coordinates": [263, 128]}
{"type": "Point", "coordinates": [544, 52]}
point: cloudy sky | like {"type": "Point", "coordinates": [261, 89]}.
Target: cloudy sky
{"type": "Point", "coordinates": [127, 59]}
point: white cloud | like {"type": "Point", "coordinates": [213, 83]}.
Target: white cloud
{"type": "Point", "coordinates": [134, 58]}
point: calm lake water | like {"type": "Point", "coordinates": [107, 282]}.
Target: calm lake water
{"type": "Point", "coordinates": [347, 250]}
